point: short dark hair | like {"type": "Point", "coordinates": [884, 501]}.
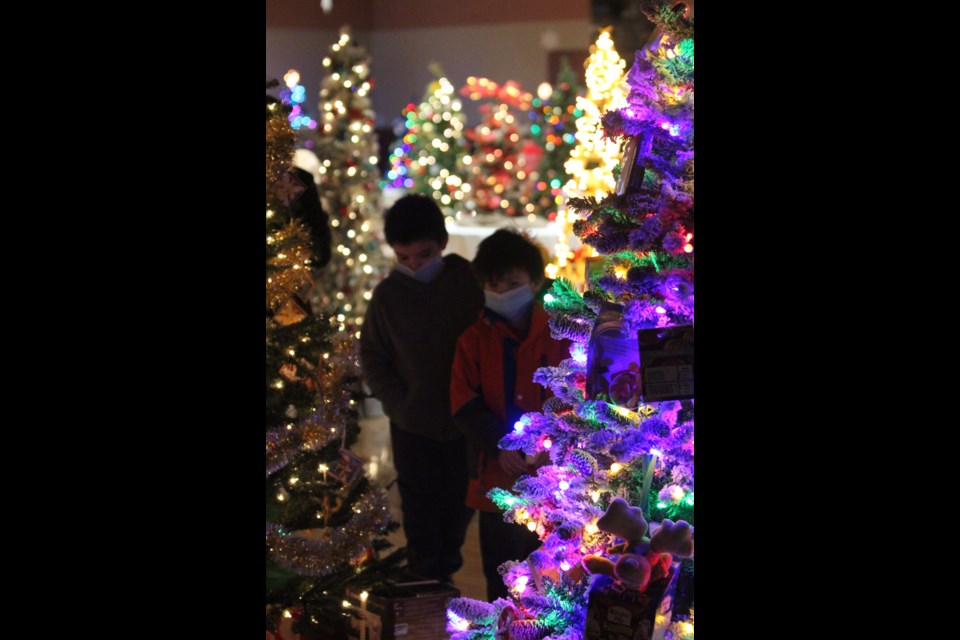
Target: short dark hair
{"type": "Point", "coordinates": [414, 217]}
{"type": "Point", "coordinates": [506, 249]}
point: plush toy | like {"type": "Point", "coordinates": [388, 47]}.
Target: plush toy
{"type": "Point", "coordinates": [637, 561]}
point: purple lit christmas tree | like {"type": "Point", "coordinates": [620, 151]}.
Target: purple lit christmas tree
{"type": "Point", "coordinates": [615, 437]}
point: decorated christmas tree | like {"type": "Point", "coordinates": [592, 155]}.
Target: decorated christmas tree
{"type": "Point", "coordinates": [346, 145]}
{"type": "Point", "coordinates": [428, 157]}
{"type": "Point", "coordinates": [555, 125]}
{"type": "Point", "coordinates": [620, 428]}
{"type": "Point", "coordinates": [326, 520]}
{"type": "Point", "coordinates": [594, 157]}
{"type": "Point", "coordinates": [592, 160]}
{"type": "Point", "coordinates": [554, 122]}
{"type": "Point", "coordinates": [503, 153]}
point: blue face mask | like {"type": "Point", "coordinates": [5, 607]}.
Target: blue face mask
{"type": "Point", "coordinates": [426, 273]}
{"type": "Point", "coordinates": [512, 304]}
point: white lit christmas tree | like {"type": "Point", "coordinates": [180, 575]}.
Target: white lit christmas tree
{"type": "Point", "coordinates": [346, 146]}
{"type": "Point", "coordinates": [429, 157]}
{"type": "Point", "coordinates": [593, 158]}
{"type": "Point", "coordinates": [629, 442]}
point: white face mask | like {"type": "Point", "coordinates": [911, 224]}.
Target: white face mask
{"type": "Point", "coordinates": [512, 304]}
{"type": "Point", "coordinates": [426, 273]}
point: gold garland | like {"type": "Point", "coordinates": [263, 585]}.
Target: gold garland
{"type": "Point", "coordinates": [285, 445]}
{"type": "Point", "coordinates": [333, 387]}
{"type": "Point", "coordinates": [334, 392]}
{"type": "Point", "coordinates": [321, 552]}
{"type": "Point", "coordinates": [280, 142]}
{"type": "Point", "coordinates": [289, 273]}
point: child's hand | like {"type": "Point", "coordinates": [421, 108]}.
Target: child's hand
{"type": "Point", "coordinates": [512, 462]}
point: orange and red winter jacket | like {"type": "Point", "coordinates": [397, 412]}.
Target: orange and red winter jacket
{"type": "Point", "coordinates": [492, 386]}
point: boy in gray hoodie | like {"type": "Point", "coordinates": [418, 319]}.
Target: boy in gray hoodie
{"type": "Point", "coordinates": [407, 344]}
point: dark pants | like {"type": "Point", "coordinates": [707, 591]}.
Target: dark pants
{"type": "Point", "coordinates": [501, 541]}
{"type": "Point", "coordinates": [432, 478]}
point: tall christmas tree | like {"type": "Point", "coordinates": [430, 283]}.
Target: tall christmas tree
{"type": "Point", "coordinates": [347, 147]}
{"type": "Point", "coordinates": [428, 157]}
{"type": "Point", "coordinates": [615, 434]}
{"type": "Point", "coordinates": [592, 161]}
{"type": "Point", "coordinates": [326, 520]}
{"type": "Point", "coordinates": [503, 153]}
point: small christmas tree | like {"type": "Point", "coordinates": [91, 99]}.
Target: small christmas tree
{"type": "Point", "coordinates": [554, 121]}
{"type": "Point", "coordinates": [615, 437]}
{"type": "Point", "coordinates": [503, 154]}
{"type": "Point", "coordinates": [326, 520]}
{"type": "Point", "coordinates": [346, 146]}
{"type": "Point", "coordinates": [428, 157]}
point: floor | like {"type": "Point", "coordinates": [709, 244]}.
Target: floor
{"type": "Point", "coordinates": [374, 448]}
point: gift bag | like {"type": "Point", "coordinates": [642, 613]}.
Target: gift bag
{"type": "Point", "coordinates": [614, 613]}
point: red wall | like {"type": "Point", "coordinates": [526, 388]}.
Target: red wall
{"type": "Point", "coordinates": [400, 14]}
{"type": "Point", "coordinates": [391, 14]}
{"type": "Point", "coordinates": [306, 14]}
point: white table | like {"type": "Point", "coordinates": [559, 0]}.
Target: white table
{"type": "Point", "coordinates": [465, 236]}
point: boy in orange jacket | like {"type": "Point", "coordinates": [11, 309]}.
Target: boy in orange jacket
{"type": "Point", "coordinates": [492, 386]}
